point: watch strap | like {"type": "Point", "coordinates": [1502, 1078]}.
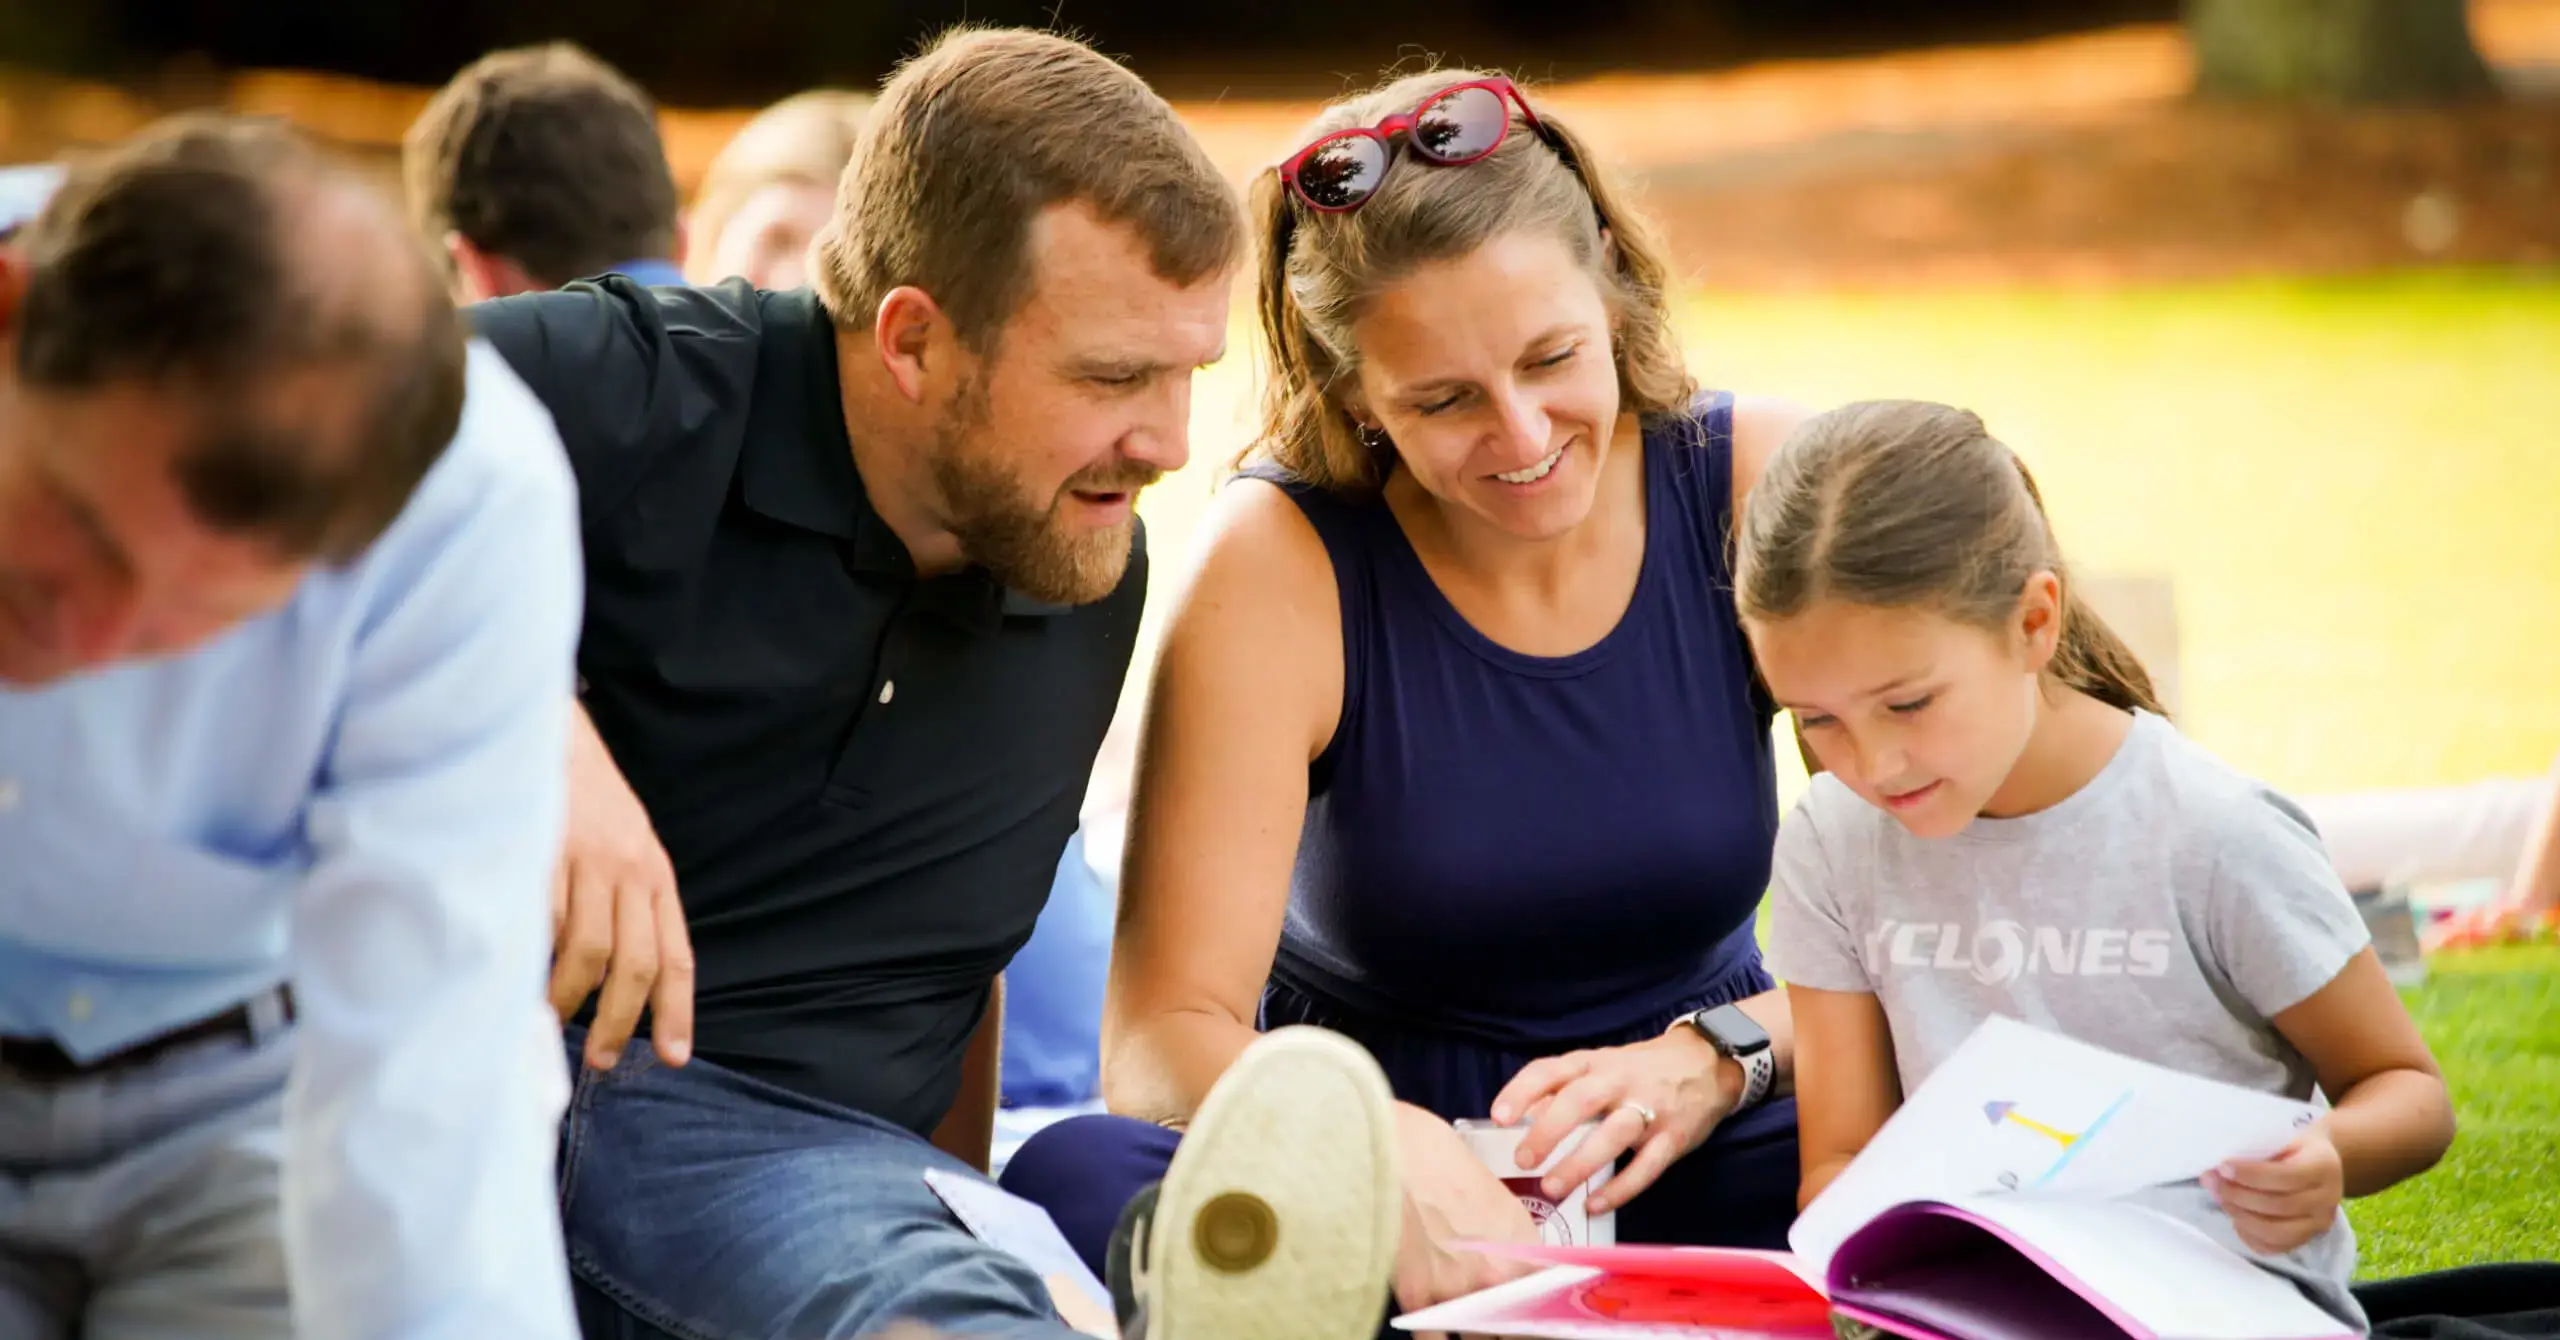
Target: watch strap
{"type": "Point", "coordinates": [1759, 1074]}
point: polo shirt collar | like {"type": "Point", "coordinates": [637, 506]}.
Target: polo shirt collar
{"type": "Point", "coordinates": [807, 478]}
{"type": "Point", "coordinates": [803, 475]}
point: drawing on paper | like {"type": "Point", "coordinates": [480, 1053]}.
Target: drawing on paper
{"type": "Point", "coordinates": [2068, 1143]}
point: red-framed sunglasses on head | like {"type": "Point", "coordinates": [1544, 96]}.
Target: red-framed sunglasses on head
{"type": "Point", "coordinates": [1456, 126]}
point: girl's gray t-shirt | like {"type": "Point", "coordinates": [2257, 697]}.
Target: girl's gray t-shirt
{"type": "Point", "coordinates": [2169, 911]}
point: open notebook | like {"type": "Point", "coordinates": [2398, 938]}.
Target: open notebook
{"type": "Point", "coordinates": [1987, 1208]}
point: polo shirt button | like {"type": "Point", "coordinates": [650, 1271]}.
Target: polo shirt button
{"type": "Point", "coordinates": [888, 690]}
{"type": "Point", "coordinates": [80, 1007]}
{"type": "Point", "coordinates": [8, 794]}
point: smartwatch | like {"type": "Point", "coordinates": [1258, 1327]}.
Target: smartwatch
{"type": "Point", "coordinates": [1733, 1034]}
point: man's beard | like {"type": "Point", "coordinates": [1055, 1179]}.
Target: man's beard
{"type": "Point", "coordinates": [1023, 540]}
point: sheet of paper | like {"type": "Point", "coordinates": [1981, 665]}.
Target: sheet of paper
{"type": "Point", "coordinates": [1582, 1303]}
{"type": "Point", "coordinates": [2016, 1108]}
{"type": "Point", "coordinates": [1015, 1226]}
{"type": "Point", "coordinates": [1567, 1223]}
{"type": "Point", "coordinates": [2167, 1277]}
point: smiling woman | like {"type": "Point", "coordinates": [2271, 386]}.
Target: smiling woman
{"type": "Point", "coordinates": [1455, 745]}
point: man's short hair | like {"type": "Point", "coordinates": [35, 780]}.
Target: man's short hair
{"type": "Point", "coordinates": [208, 255]}
{"type": "Point", "coordinates": [548, 157]}
{"type": "Point", "coordinates": [973, 138]}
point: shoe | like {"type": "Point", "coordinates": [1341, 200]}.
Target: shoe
{"type": "Point", "coordinates": [1277, 1219]}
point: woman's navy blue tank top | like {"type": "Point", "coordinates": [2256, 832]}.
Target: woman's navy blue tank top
{"type": "Point", "coordinates": [1539, 852]}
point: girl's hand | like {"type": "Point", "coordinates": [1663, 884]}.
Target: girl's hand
{"type": "Point", "coordinates": [1679, 1078]}
{"type": "Point", "coordinates": [2279, 1204]}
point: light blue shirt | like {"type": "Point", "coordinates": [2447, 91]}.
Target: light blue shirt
{"type": "Point", "coordinates": [650, 271]}
{"type": "Point", "coordinates": [362, 793]}
{"type": "Point", "coordinates": [24, 189]}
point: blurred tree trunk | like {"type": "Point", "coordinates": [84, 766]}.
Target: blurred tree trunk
{"type": "Point", "coordinates": [2337, 50]}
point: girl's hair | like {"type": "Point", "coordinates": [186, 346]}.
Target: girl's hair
{"type": "Point", "coordinates": [1317, 272]}
{"type": "Point", "coordinates": [806, 138]}
{"type": "Point", "coordinates": [1901, 503]}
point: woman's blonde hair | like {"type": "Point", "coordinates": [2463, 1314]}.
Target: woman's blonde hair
{"type": "Point", "coordinates": [1903, 503]}
{"type": "Point", "coordinates": [804, 139]}
{"type": "Point", "coordinates": [1318, 272]}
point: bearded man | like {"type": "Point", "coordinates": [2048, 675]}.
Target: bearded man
{"type": "Point", "coordinates": [864, 576]}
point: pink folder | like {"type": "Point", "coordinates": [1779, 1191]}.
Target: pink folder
{"type": "Point", "coordinates": [1923, 1269]}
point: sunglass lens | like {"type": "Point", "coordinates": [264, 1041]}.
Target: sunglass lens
{"type": "Point", "coordinates": [1341, 173]}
{"type": "Point", "coordinates": [1460, 125]}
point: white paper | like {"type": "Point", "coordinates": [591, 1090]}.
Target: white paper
{"type": "Point", "coordinates": [1017, 1227]}
{"type": "Point", "coordinates": [2018, 1109]}
{"type": "Point", "coordinates": [1569, 1224]}
{"type": "Point", "coordinates": [2170, 1278]}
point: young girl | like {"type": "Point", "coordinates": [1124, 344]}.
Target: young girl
{"type": "Point", "coordinates": [2006, 823]}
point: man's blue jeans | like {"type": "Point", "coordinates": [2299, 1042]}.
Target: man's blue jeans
{"type": "Point", "coordinates": [701, 1204]}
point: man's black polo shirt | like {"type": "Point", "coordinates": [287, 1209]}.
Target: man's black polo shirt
{"type": "Point", "coordinates": [864, 780]}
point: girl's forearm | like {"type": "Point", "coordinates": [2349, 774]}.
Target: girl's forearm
{"type": "Point", "coordinates": [1818, 1175]}
{"type": "Point", "coordinates": [2393, 1125]}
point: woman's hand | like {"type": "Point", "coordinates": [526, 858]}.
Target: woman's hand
{"type": "Point", "coordinates": [1679, 1078]}
{"type": "Point", "coordinates": [1451, 1197]}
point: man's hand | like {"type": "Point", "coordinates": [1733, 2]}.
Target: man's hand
{"type": "Point", "coordinates": [615, 919]}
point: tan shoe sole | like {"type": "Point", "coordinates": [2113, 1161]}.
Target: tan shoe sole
{"type": "Point", "coordinates": [1278, 1217]}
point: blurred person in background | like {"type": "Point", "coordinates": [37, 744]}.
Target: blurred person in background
{"type": "Point", "coordinates": [864, 578]}
{"type": "Point", "coordinates": [288, 602]}
{"type": "Point", "coordinates": [2531, 901]}
{"type": "Point", "coordinates": [770, 190]}
{"type": "Point", "coordinates": [2503, 829]}
{"type": "Point", "coordinates": [540, 165]}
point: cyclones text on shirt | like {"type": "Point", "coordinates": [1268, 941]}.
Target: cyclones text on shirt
{"type": "Point", "coordinates": [2003, 951]}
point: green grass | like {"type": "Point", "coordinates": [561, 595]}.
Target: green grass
{"type": "Point", "coordinates": [2493, 1018]}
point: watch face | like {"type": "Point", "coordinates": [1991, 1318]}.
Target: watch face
{"type": "Point", "coordinates": [1733, 1031]}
